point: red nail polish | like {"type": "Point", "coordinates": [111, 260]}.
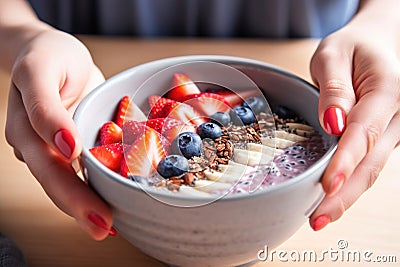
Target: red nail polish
{"type": "Point", "coordinates": [113, 232]}
{"type": "Point", "coordinates": [334, 120]}
{"type": "Point", "coordinates": [336, 184]}
{"type": "Point", "coordinates": [98, 221]}
{"type": "Point", "coordinates": [320, 222]}
{"type": "Point", "coordinates": [65, 142]}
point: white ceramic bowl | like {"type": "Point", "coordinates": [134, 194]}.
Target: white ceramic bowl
{"type": "Point", "coordinates": [226, 232]}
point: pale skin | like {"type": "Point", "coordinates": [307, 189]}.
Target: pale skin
{"type": "Point", "coordinates": [356, 68]}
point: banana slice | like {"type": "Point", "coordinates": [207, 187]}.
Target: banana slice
{"type": "Point", "coordinates": [231, 164]}
{"type": "Point", "coordinates": [290, 136]}
{"type": "Point", "coordinates": [210, 186]}
{"type": "Point", "coordinates": [228, 173]}
{"type": "Point", "coordinates": [264, 149]}
{"type": "Point", "coordinates": [303, 133]}
{"type": "Point", "coordinates": [251, 158]}
{"type": "Point", "coordinates": [190, 191]}
{"type": "Point", "coordinates": [300, 126]}
{"type": "Point", "coordinates": [276, 142]}
{"type": "Point", "coordinates": [221, 177]}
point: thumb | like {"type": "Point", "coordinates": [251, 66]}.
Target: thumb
{"type": "Point", "coordinates": [41, 89]}
{"type": "Point", "coordinates": [331, 70]}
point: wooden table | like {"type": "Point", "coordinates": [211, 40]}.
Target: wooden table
{"type": "Point", "coordinates": [50, 238]}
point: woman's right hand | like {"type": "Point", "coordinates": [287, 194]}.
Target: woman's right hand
{"type": "Point", "coordinates": [52, 73]}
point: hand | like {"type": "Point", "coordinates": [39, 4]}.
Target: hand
{"type": "Point", "coordinates": [358, 72]}
{"type": "Point", "coordinates": [52, 73]}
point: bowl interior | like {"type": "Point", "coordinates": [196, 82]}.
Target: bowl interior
{"type": "Point", "coordinates": [278, 86]}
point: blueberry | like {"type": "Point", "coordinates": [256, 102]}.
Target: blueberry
{"type": "Point", "coordinates": [209, 130]}
{"type": "Point", "coordinates": [243, 115]}
{"type": "Point", "coordinates": [188, 144]}
{"type": "Point", "coordinates": [284, 112]}
{"type": "Point", "coordinates": [221, 118]}
{"type": "Point", "coordinates": [257, 104]}
{"type": "Point", "coordinates": [173, 165]}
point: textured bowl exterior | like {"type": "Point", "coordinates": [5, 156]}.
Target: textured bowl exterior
{"type": "Point", "coordinates": [226, 232]}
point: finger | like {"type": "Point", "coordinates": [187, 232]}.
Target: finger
{"type": "Point", "coordinates": [95, 79]}
{"type": "Point", "coordinates": [365, 122]}
{"type": "Point", "coordinates": [56, 176]}
{"type": "Point", "coordinates": [333, 207]}
{"type": "Point", "coordinates": [365, 126]}
{"type": "Point", "coordinates": [46, 92]}
{"type": "Point", "coordinates": [336, 90]}
{"type": "Point", "coordinates": [18, 155]}
{"type": "Point", "coordinates": [360, 137]}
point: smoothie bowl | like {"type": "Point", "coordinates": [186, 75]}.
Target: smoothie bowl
{"type": "Point", "coordinates": [216, 157]}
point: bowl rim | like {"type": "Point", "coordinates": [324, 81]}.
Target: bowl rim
{"type": "Point", "coordinates": [232, 61]}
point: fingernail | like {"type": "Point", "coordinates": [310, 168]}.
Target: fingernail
{"type": "Point", "coordinates": [320, 222]}
{"type": "Point", "coordinates": [65, 142]}
{"type": "Point", "coordinates": [99, 221]}
{"type": "Point", "coordinates": [334, 120]}
{"type": "Point", "coordinates": [113, 232]}
{"type": "Point", "coordinates": [336, 184]}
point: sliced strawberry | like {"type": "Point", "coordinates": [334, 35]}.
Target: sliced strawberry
{"type": "Point", "coordinates": [237, 98]}
{"type": "Point", "coordinates": [157, 106]}
{"type": "Point", "coordinates": [169, 127]}
{"type": "Point", "coordinates": [122, 109]}
{"type": "Point", "coordinates": [165, 107]}
{"type": "Point", "coordinates": [207, 103]}
{"type": "Point", "coordinates": [153, 100]}
{"type": "Point", "coordinates": [109, 155]}
{"type": "Point", "coordinates": [132, 130]}
{"type": "Point", "coordinates": [160, 124]}
{"type": "Point", "coordinates": [127, 110]}
{"type": "Point", "coordinates": [172, 132]}
{"type": "Point", "coordinates": [184, 113]}
{"type": "Point", "coordinates": [166, 144]}
{"type": "Point", "coordinates": [182, 86]}
{"type": "Point", "coordinates": [110, 133]}
{"type": "Point", "coordinates": [144, 155]}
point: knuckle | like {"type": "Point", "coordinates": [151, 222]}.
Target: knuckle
{"type": "Point", "coordinates": [326, 52]}
{"type": "Point", "coordinates": [338, 91]}
{"type": "Point", "coordinates": [344, 203]}
{"type": "Point", "coordinates": [373, 174]}
{"type": "Point", "coordinates": [18, 155]}
{"type": "Point", "coordinates": [341, 205]}
{"type": "Point", "coordinates": [22, 67]}
{"type": "Point", "coordinates": [337, 88]}
{"type": "Point", "coordinates": [38, 113]}
{"type": "Point", "coordinates": [372, 134]}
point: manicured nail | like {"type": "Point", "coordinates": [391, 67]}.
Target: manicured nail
{"type": "Point", "coordinates": [65, 142]}
{"type": "Point", "coordinates": [336, 184]}
{"type": "Point", "coordinates": [99, 221]}
{"type": "Point", "coordinates": [320, 222]}
{"type": "Point", "coordinates": [113, 232]}
{"type": "Point", "coordinates": [334, 120]}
